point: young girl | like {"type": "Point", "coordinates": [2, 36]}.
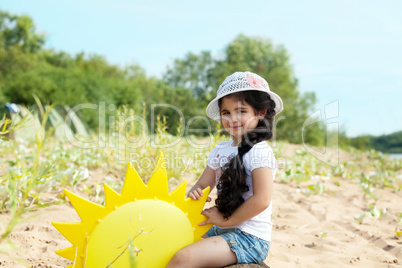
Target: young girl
{"type": "Point", "coordinates": [243, 170]}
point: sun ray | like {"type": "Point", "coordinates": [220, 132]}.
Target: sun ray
{"type": "Point", "coordinates": [195, 216]}
{"type": "Point", "coordinates": [88, 211]}
{"type": "Point", "coordinates": [112, 198]}
{"type": "Point", "coordinates": [158, 181]}
{"type": "Point", "coordinates": [68, 253]}
{"type": "Point", "coordinates": [74, 232]}
{"type": "Point", "coordinates": [133, 186]}
{"type": "Point", "coordinates": [178, 194]}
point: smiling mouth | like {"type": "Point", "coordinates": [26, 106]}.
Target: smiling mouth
{"type": "Point", "coordinates": [235, 127]}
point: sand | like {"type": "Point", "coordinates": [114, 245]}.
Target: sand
{"type": "Point", "coordinates": [308, 231]}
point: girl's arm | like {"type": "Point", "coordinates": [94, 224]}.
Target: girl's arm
{"type": "Point", "coordinates": [258, 202]}
{"type": "Point", "coordinates": [206, 179]}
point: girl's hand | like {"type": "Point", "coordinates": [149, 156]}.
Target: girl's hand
{"type": "Point", "coordinates": [214, 217]}
{"type": "Point", "coordinates": [196, 194]}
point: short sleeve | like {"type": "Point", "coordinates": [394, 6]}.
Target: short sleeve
{"type": "Point", "coordinates": [261, 155]}
{"type": "Point", "coordinates": [213, 161]}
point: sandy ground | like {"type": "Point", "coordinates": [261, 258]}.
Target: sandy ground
{"type": "Point", "coordinates": [309, 230]}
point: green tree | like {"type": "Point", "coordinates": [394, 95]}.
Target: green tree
{"type": "Point", "coordinates": [19, 31]}
{"type": "Point", "coordinates": [391, 143]}
{"type": "Point", "coordinates": [363, 142]}
{"type": "Point", "coordinates": [194, 72]}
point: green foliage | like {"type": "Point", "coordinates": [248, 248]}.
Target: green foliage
{"type": "Point", "coordinates": [323, 234]}
{"type": "Point", "coordinates": [19, 31]}
{"type": "Point", "coordinates": [3, 98]}
{"type": "Point", "coordinates": [359, 218]}
{"type": "Point", "coordinates": [398, 232]}
{"type": "Point", "coordinates": [7, 125]}
{"type": "Point", "coordinates": [22, 184]}
{"type": "Point", "coordinates": [194, 72]}
{"type": "Point", "coordinates": [375, 212]}
{"type": "Point", "coordinates": [315, 134]}
{"type": "Point", "coordinates": [362, 142]}
{"type": "Point", "coordinates": [391, 143]}
{"type": "Point", "coordinates": [372, 211]}
{"type": "Point", "coordinates": [315, 189]}
{"type": "Point", "coordinates": [71, 82]}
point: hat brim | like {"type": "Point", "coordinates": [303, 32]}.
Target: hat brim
{"type": "Point", "coordinates": [213, 107]}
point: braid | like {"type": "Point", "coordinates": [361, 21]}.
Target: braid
{"type": "Point", "coordinates": [232, 183]}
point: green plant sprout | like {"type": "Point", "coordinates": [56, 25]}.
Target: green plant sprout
{"type": "Point", "coordinates": [323, 234]}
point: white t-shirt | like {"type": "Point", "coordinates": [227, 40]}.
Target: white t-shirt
{"type": "Point", "coordinates": [260, 155]}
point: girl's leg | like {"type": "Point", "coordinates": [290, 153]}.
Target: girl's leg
{"type": "Point", "coordinates": [210, 252]}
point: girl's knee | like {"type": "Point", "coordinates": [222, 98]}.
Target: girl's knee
{"type": "Point", "coordinates": [180, 259]}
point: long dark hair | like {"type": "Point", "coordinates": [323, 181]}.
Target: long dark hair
{"type": "Point", "coordinates": [232, 183]}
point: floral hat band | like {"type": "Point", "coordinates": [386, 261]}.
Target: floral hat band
{"type": "Point", "coordinates": [241, 81]}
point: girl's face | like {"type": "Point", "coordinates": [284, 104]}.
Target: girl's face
{"type": "Point", "coordinates": [238, 117]}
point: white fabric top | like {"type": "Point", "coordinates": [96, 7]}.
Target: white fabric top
{"type": "Point", "coordinates": [260, 155]}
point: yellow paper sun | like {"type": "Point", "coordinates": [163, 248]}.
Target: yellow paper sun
{"type": "Point", "coordinates": [145, 221]}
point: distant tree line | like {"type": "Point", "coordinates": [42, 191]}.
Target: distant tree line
{"type": "Point", "coordinates": [56, 77]}
{"type": "Point", "coordinates": [391, 143]}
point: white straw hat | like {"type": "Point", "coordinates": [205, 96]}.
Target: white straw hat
{"type": "Point", "coordinates": [242, 81]}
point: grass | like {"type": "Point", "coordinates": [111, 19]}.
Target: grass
{"type": "Point", "coordinates": [21, 184]}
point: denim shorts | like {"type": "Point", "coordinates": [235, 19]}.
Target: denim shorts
{"type": "Point", "coordinates": [247, 247]}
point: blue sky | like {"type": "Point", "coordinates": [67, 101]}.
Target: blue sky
{"type": "Point", "coordinates": [345, 51]}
